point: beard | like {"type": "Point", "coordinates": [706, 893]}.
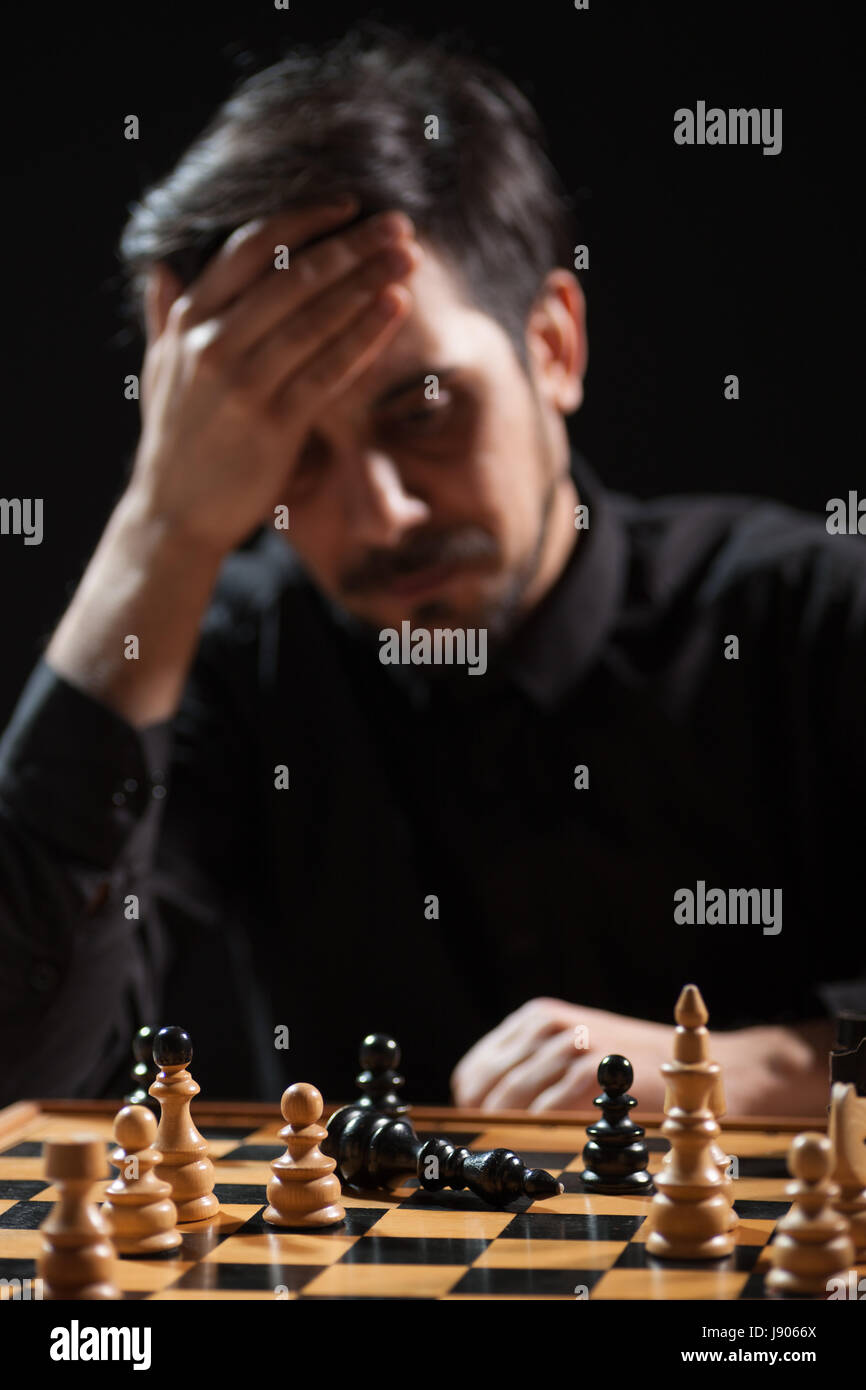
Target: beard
{"type": "Point", "coordinates": [502, 613]}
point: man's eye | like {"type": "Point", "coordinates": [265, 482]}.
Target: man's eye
{"type": "Point", "coordinates": [430, 416]}
{"type": "Point", "coordinates": [311, 457]}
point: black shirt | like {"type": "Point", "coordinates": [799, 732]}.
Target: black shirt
{"type": "Point", "coordinates": [165, 877]}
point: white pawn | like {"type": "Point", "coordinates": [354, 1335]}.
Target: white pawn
{"type": "Point", "coordinates": [141, 1216]}
{"type": "Point", "coordinates": [304, 1190]}
{"type": "Point", "coordinates": [812, 1243]}
{"type": "Point", "coordinates": [186, 1162]}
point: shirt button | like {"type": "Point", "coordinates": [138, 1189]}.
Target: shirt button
{"type": "Point", "coordinates": [130, 785]}
{"type": "Point", "coordinates": [119, 799]}
{"type": "Point", "coordinates": [43, 976]}
{"type": "Point", "coordinates": [158, 792]}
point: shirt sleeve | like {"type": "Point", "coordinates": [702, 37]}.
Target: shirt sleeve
{"type": "Point", "coordinates": [81, 795]}
{"type": "Point", "coordinates": [839, 672]}
{"type": "Point", "coordinates": [120, 859]}
{"type": "Point", "coordinates": [835, 622]}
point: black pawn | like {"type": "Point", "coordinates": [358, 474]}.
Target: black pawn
{"type": "Point", "coordinates": [379, 1080]}
{"type": "Point", "coordinates": [172, 1047]}
{"type": "Point", "coordinates": [615, 1157]}
{"type": "Point", "coordinates": [144, 1071]}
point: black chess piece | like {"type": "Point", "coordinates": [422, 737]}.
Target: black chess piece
{"type": "Point", "coordinates": [848, 1057]}
{"type": "Point", "coordinates": [379, 1080]}
{"type": "Point", "coordinates": [373, 1150]}
{"type": "Point", "coordinates": [172, 1047]}
{"type": "Point", "coordinates": [615, 1157]}
{"type": "Point", "coordinates": [144, 1072]}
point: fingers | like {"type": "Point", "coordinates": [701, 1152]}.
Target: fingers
{"type": "Point", "coordinates": [307, 333]}
{"type": "Point", "coordinates": [343, 358]}
{"type": "Point", "coordinates": [279, 294]}
{"type": "Point", "coordinates": [249, 250]}
{"type": "Point", "coordinates": [547, 1065]}
{"type": "Point", "coordinates": [161, 288]}
{"type": "Point", "coordinates": [574, 1090]}
{"type": "Point", "coordinates": [507, 1046]}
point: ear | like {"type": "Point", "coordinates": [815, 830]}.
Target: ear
{"type": "Point", "coordinates": [162, 287]}
{"type": "Point", "coordinates": [556, 341]}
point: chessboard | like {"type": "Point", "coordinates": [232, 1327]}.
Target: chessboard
{"type": "Point", "coordinates": [407, 1243]}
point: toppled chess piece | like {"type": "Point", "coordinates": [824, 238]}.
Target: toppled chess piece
{"type": "Point", "coordinates": [615, 1157]}
{"type": "Point", "coordinates": [374, 1151]}
{"type": "Point", "coordinates": [186, 1165]}
{"type": "Point", "coordinates": [78, 1259]}
{"type": "Point", "coordinates": [690, 1217]}
{"type": "Point", "coordinates": [304, 1191]}
{"type": "Point", "coordinates": [812, 1243]}
{"type": "Point", "coordinates": [379, 1081]}
{"type": "Point", "coordinates": [144, 1072]}
{"type": "Point", "coordinates": [138, 1209]}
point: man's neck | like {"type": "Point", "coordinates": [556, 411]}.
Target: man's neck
{"type": "Point", "coordinates": [559, 541]}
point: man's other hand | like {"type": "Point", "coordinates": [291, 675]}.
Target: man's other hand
{"type": "Point", "coordinates": [545, 1056]}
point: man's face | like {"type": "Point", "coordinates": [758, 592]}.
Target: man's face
{"type": "Point", "coordinates": [424, 491]}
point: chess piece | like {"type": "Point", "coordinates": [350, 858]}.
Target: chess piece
{"type": "Point", "coordinates": [722, 1160]}
{"type": "Point", "coordinates": [812, 1243]}
{"type": "Point", "coordinates": [138, 1208]}
{"type": "Point", "coordinates": [77, 1259]}
{"type": "Point", "coordinates": [848, 1057]}
{"type": "Point", "coordinates": [690, 1216]}
{"type": "Point", "coordinates": [303, 1191]}
{"type": "Point", "coordinates": [375, 1151]}
{"type": "Point", "coordinates": [615, 1159]}
{"type": "Point", "coordinates": [379, 1080]}
{"type": "Point", "coordinates": [144, 1072]}
{"type": "Point", "coordinates": [848, 1138]}
{"type": "Point", "coordinates": [186, 1165]}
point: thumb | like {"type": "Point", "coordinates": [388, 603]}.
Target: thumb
{"type": "Point", "coordinates": [162, 287]}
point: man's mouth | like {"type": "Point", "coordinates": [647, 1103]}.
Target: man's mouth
{"type": "Point", "coordinates": [431, 565]}
{"type": "Point", "coordinates": [424, 580]}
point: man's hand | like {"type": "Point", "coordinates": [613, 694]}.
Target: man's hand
{"type": "Point", "coordinates": [239, 364]}
{"type": "Point", "coordinates": [235, 370]}
{"type": "Point", "coordinates": [545, 1056]}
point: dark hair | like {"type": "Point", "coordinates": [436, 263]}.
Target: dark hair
{"type": "Point", "coordinates": [350, 117]}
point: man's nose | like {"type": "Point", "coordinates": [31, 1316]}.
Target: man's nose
{"type": "Point", "coordinates": [378, 507]}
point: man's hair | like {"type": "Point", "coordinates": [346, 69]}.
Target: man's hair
{"type": "Point", "coordinates": [351, 116]}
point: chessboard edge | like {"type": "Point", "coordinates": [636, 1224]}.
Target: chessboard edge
{"type": "Point", "coordinates": [221, 1111]}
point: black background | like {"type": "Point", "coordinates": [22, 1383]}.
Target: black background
{"type": "Point", "coordinates": [703, 261]}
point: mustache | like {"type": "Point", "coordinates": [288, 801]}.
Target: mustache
{"type": "Point", "coordinates": [380, 567]}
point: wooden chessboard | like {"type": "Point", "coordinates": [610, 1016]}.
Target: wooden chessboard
{"type": "Point", "coordinates": [409, 1243]}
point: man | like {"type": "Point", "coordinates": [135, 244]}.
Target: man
{"type": "Point", "coordinates": [225, 804]}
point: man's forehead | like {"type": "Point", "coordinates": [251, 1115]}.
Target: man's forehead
{"type": "Point", "coordinates": [441, 328]}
